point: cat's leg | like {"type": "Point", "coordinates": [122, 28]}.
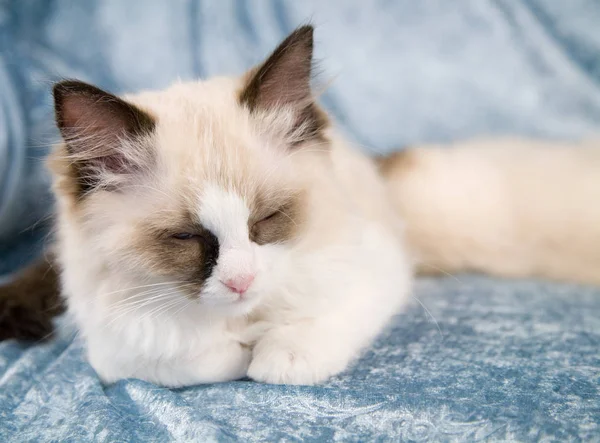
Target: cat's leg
{"type": "Point", "coordinates": [312, 350]}
{"type": "Point", "coordinates": [302, 354]}
{"type": "Point", "coordinates": [223, 361]}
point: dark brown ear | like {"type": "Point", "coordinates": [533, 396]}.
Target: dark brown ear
{"type": "Point", "coordinates": [283, 80]}
{"type": "Point", "coordinates": [95, 125]}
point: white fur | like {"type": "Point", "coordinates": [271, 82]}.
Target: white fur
{"type": "Point", "coordinates": [226, 215]}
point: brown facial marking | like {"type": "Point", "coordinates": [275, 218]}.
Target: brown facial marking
{"type": "Point", "coordinates": [93, 124]}
{"type": "Point", "coordinates": [190, 261]}
{"type": "Point", "coordinates": [284, 80]}
{"type": "Point", "coordinates": [275, 221]}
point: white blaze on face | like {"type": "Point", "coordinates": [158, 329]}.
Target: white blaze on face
{"type": "Point", "coordinates": [226, 214]}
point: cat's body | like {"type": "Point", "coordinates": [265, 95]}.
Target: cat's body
{"type": "Point", "coordinates": [222, 228]}
{"type": "Point", "coordinates": [508, 207]}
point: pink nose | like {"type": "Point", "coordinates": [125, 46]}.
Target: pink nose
{"type": "Point", "coordinates": [239, 283]}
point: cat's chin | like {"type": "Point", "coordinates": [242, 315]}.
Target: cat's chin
{"type": "Point", "coordinates": [237, 308]}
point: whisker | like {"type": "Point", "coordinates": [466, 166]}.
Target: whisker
{"type": "Point", "coordinates": [189, 302]}
{"type": "Point", "coordinates": [442, 271]}
{"type": "Point", "coordinates": [143, 286]}
{"type": "Point", "coordinates": [430, 314]}
{"type": "Point", "coordinates": [155, 295]}
{"type": "Point", "coordinates": [290, 218]}
{"type": "Point", "coordinates": [127, 303]}
{"type": "Point", "coordinates": [161, 309]}
{"type": "Point", "coordinates": [161, 300]}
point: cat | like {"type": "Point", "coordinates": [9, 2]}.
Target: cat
{"type": "Point", "coordinates": [223, 228]}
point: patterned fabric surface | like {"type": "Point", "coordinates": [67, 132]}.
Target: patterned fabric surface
{"type": "Point", "coordinates": [510, 360]}
{"type": "Point", "coordinates": [476, 359]}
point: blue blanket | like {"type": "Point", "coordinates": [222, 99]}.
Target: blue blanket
{"type": "Point", "coordinates": [476, 359]}
{"type": "Point", "coordinates": [505, 361]}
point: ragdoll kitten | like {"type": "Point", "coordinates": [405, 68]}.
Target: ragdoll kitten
{"type": "Point", "coordinates": [222, 228]}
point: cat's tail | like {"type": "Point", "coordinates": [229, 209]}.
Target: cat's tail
{"type": "Point", "coordinates": [512, 208]}
{"type": "Point", "coordinates": [29, 302]}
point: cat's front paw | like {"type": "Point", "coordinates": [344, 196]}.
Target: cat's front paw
{"type": "Point", "coordinates": [281, 358]}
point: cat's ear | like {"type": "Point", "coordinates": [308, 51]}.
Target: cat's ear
{"type": "Point", "coordinates": [283, 81]}
{"type": "Point", "coordinates": [99, 130]}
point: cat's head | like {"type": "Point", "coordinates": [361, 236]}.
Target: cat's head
{"type": "Point", "coordinates": [202, 184]}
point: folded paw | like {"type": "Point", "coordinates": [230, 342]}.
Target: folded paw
{"type": "Point", "coordinates": [280, 357]}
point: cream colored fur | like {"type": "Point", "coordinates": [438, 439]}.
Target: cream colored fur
{"type": "Point", "coordinates": [511, 207]}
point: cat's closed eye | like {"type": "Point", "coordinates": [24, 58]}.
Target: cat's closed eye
{"type": "Point", "coordinates": [184, 236]}
{"type": "Point", "coordinates": [265, 221]}
{"type": "Point", "coordinates": [273, 228]}
{"type": "Point", "coordinates": [269, 217]}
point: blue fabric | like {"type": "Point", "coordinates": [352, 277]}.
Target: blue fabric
{"type": "Point", "coordinates": [510, 360]}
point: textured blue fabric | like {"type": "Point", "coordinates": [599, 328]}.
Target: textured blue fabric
{"type": "Point", "coordinates": [513, 360]}
{"type": "Point", "coordinates": [505, 361]}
